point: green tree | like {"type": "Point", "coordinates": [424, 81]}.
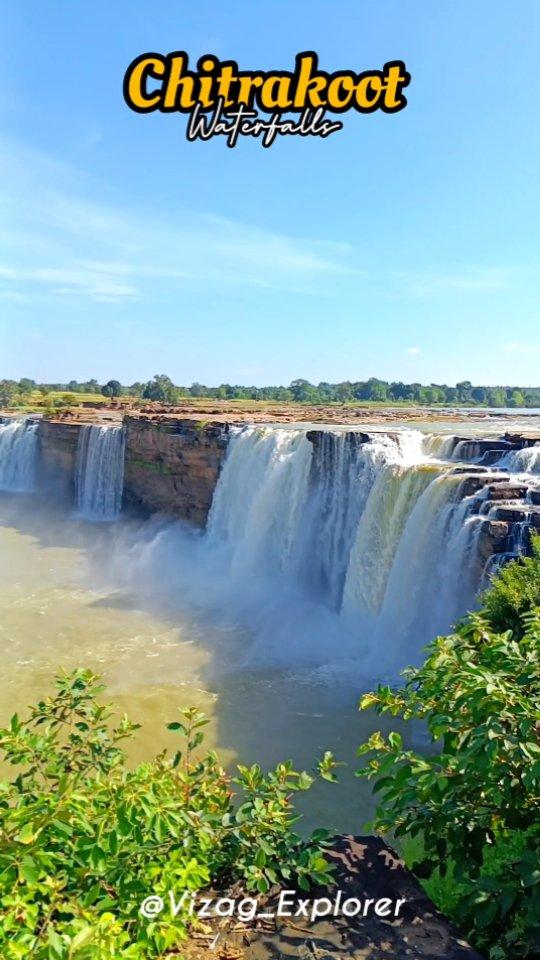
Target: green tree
{"type": "Point", "coordinates": [513, 592]}
{"type": "Point", "coordinates": [8, 392]}
{"type": "Point", "coordinates": [113, 388]}
{"type": "Point", "coordinates": [26, 385]}
{"type": "Point", "coordinates": [160, 388]}
{"type": "Point", "coordinates": [473, 797]}
{"type": "Point", "coordinates": [516, 399]}
{"type": "Point", "coordinates": [464, 391]}
{"type": "Point", "coordinates": [84, 839]}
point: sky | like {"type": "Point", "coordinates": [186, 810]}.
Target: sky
{"type": "Point", "coordinates": [404, 246]}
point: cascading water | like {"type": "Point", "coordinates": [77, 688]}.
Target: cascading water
{"type": "Point", "coordinates": [440, 446]}
{"type": "Point", "coordinates": [371, 526]}
{"type": "Point", "coordinates": [286, 504]}
{"type": "Point", "coordinates": [257, 507]}
{"type": "Point", "coordinates": [99, 472]}
{"type": "Point", "coordinates": [526, 460]}
{"type": "Point", "coordinates": [334, 549]}
{"type": "Point", "coordinates": [435, 573]}
{"type": "Point", "coordinates": [18, 455]}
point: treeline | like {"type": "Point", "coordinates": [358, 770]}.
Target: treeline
{"type": "Point", "coordinates": [162, 388]}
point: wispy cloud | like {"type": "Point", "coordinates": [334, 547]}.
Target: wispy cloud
{"type": "Point", "coordinates": [413, 351]}
{"type": "Point", "coordinates": [58, 241]}
{"type": "Point", "coordinates": [470, 280]}
{"type": "Point", "coordinates": [517, 346]}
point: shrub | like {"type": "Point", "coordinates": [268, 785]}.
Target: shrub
{"type": "Point", "coordinates": [514, 591]}
{"type": "Point", "coordinates": [473, 800]}
{"type": "Point", "coordinates": [83, 839]}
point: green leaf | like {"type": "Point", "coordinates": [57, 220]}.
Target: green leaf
{"type": "Point", "coordinates": [27, 834]}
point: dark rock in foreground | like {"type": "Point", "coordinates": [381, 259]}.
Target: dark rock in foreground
{"type": "Point", "coordinates": [366, 870]}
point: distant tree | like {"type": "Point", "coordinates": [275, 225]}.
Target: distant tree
{"type": "Point", "coordinates": [8, 391]}
{"type": "Point", "coordinates": [464, 391]}
{"type": "Point", "coordinates": [303, 391]}
{"type": "Point", "coordinates": [343, 392]}
{"type": "Point", "coordinates": [160, 388]}
{"type": "Point", "coordinates": [516, 399]}
{"type": "Point", "coordinates": [113, 388]}
{"type": "Point", "coordinates": [495, 397]}
{"type": "Point", "coordinates": [26, 385]}
{"type": "Point", "coordinates": [198, 390]}
{"type": "Point", "coordinates": [376, 390]}
{"type": "Point", "coordinates": [136, 389]}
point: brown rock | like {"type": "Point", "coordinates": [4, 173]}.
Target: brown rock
{"type": "Point", "coordinates": [172, 465]}
{"type": "Point", "coordinates": [513, 514]}
{"type": "Point", "coordinates": [507, 491]}
{"type": "Point", "coordinates": [58, 446]}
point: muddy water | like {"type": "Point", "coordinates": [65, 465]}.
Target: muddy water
{"type": "Point", "coordinates": [61, 607]}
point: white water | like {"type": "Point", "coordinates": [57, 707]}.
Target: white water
{"type": "Point", "coordinates": [523, 461]}
{"type": "Point", "coordinates": [377, 531]}
{"type": "Point", "coordinates": [347, 549]}
{"type": "Point", "coordinates": [18, 455]}
{"type": "Point", "coordinates": [99, 472]}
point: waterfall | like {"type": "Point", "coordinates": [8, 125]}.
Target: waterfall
{"type": "Point", "coordinates": [440, 446]}
{"type": "Point", "coordinates": [347, 516]}
{"type": "Point", "coordinates": [99, 472]}
{"type": "Point", "coordinates": [526, 460]}
{"type": "Point", "coordinates": [467, 450]}
{"type": "Point", "coordinates": [435, 574]}
{"type": "Point", "coordinates": [258, 502]}
{"type": "Point", "coordinates": [378, 528]}
{"type": "Point", "coordinates": [285, 504]}
{"type": "Point", "coordinates": [18, 455]}
{"type": "Point", "coordinates": [344, 471]}
{"type": "Point", "coordinates": [391, 502]}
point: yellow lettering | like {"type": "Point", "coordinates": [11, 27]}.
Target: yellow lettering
{"type": "Point", "coordinates": [335, 101]}
{"type": "Point", "coordinates": [392, 88]}
{"type": "Point", "coordinates": [367, 84]}
{"type": "Point", "coordinates": [309, 88]}
{"type": "Point", "coordinates": [246, 85]}
{"type": "Point", "coordinates": [138, 76]}
{"type": "Point", "coordinates": [276, 99]}
{"type": "Point", "coordinates": [224, 81]}
{"type": "Point", "coordinates": [179, 90]}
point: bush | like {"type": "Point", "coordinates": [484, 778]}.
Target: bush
{"type": "Point", "coordinates": [514, 591]}
{"type": "Point", "coordinates": [473, 800]}
{"type": "Point", "coordinates": [83, 839]}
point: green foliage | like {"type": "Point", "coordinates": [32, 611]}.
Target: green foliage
{"type": "Point", "coordinates": [83, 839]}
{"type": "Point", "coordinates": [473, 799]}
{"type": "Point", "coordinates": [113, 388]}
{"type": "Point", "coordinates": [162, 389]}
{"type": "Point", "coordinates": [8, 392]}
{"type": "Point", "coordinates": [514, 591]}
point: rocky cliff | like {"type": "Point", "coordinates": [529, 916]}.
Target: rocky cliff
{"type": "Point", "coordinates": [173, 465]}
{"type": "Point", "coordinates": [58, 447]}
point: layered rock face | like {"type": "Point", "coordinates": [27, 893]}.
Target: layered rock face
{"type": "Point", "coordinates": [173, 465]}
{"type": "Point", "coordinates": [58, 448]}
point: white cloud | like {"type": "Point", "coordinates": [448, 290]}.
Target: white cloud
{"type": "Point", "coordinates": [57, 241]}
{"type": "Point", "coordinates": [516, 346]}
{"type": "Point", "coordinates": [470, 280]}
{"type": "Point", "coordinates": [413, 351]}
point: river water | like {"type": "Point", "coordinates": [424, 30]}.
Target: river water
{"type": "Point", "coordinates": [323, 569]}
{"type": "Point", "coordinates": [61, 607]}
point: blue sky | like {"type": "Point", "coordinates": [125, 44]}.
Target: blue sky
{"type": "Point", "coordinates": [405, 246]}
